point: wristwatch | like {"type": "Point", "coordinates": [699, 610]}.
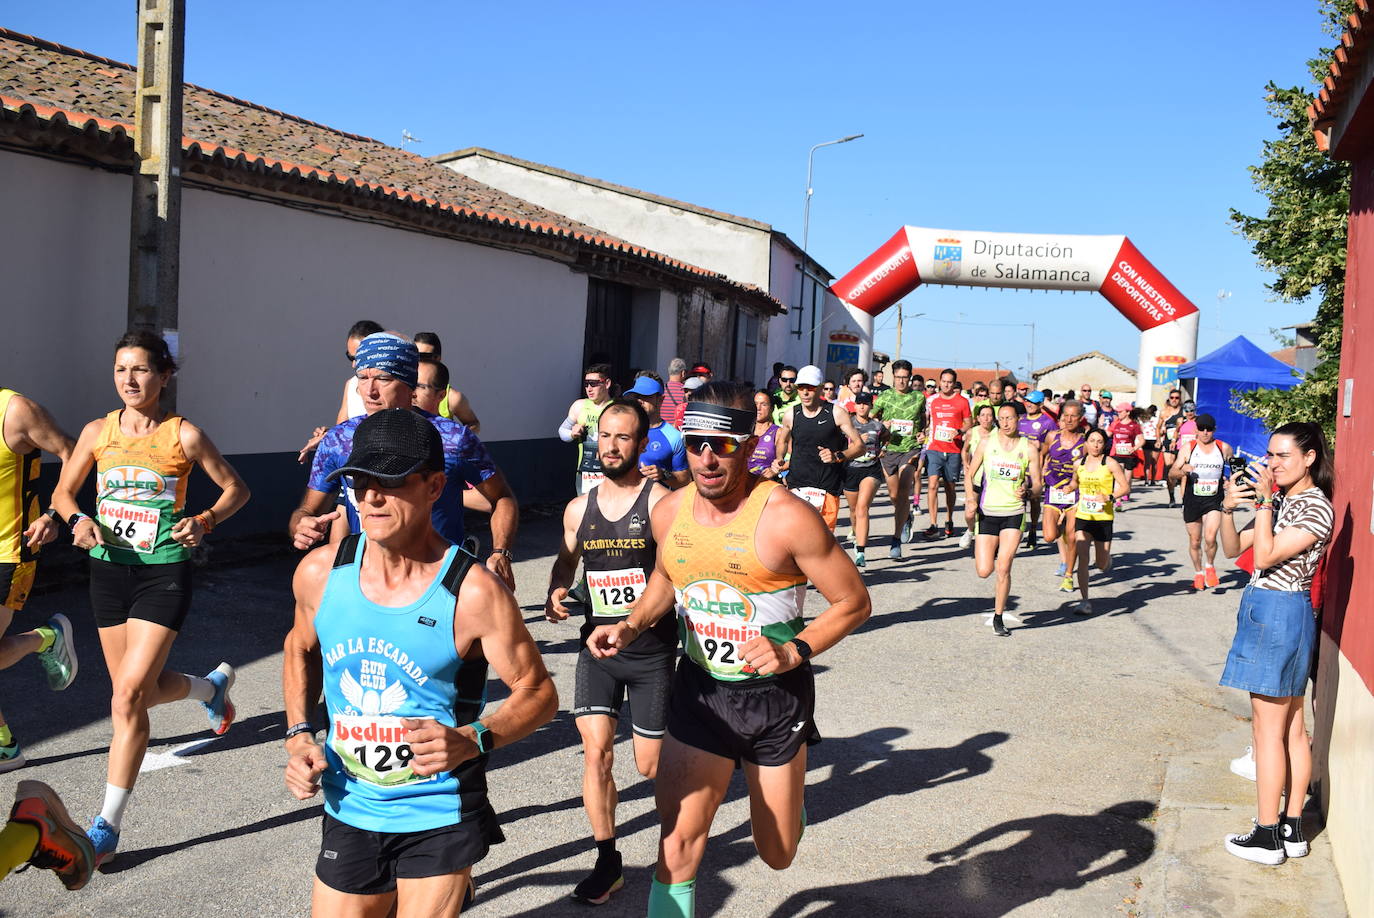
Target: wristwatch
{"type": "Point", "coordinates": [506, 552]}
{"type": "Point", "coordinates": [53, 515]}
{"type": "Point", "coordinates": [75, 518]}
{"type": "Point", "coordinates": [482, 737]}
{"type": "Point", "coordinates": [803, 649]}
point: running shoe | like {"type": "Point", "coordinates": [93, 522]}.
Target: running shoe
{"type": "Point", "coordinates": [1262, 844]}
{"type": "Point", "coordinates": [966, 539]}
{"type": "Point", "coordinates": [1172, 505]}
{"type": "Point", "coordinates": [1062, 569]}
{"type": "Point", "coordinates": [103, 838]}
{"type": "Point", "coordinates": [1066, 585]}
{"type": "Point", "coordinates": [1084, 607]}
{"type": "Point", "coordinates": [1245, 765]}
{"type": "Point", "coordinates": [859, 559]}
{"type": "Point", "coordinates": [11, 756]}
{"type": "Point", "coordinates": [998, 628]}
{"type": "Point", "coordinates": [906, 530]}
{"type": "Point", "coordinates": [895, 550]}
{"type": "Point", "coordinates": [1199, 581]}
{"type": "Point", "coordinates": [1290, 830]}
{"type": "Point", "coordinates": [949, 530]}
{"type": "Point", "coordinates": [62, 847]}
{"type": "Point", "coordinates": [1030, 538]}
{"type": "Point", "coordinates": [219, 709]}
{"type": "Point", "coordinates": [1211, 577]}
{"type": "Point", "coordinates": [606, 877]}
{"type": "Point", "coordinates": [59, 660]}
{"type": "Point", "coordinates": [932, 533]}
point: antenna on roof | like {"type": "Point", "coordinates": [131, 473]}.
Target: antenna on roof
{"type": "Point", "coordinates": [407, 137]}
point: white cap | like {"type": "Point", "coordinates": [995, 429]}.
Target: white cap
{"type": "Point", "coordinates": [693, 382]}
{"type": "Point", "coordinates": [809, 376]}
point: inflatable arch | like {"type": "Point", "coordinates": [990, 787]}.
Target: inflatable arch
{"type": "Point", "coordinates": [1109, 265]}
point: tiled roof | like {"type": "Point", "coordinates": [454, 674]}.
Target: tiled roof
{"type": "Point", "coordinates": [1288, 355]}
{"type": "Point", "coordinates": [1063, 363]}
{"type": "Point", "coordinates": [1342, 79]}
{"type": "Point", "coordinates": [68, 87]}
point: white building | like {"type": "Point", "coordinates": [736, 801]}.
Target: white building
{"type": "Point", "coordinates": [817, 329]}
{"type": "Point", "coordinates": [291, 232]}
{"type": "Point", "coordinates": [1094, 369]}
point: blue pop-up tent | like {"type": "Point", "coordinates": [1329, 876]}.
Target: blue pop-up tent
{"type": "Point", "coordinates": [1236, 366]}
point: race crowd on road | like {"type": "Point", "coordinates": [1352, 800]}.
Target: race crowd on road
{"type": "Point", "coordinates": [703, 511]}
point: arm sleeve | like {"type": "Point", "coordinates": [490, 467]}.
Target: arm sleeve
{"type": "Point", "coordinates": [565, 430]}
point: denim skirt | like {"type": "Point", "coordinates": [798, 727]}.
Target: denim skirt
{"type": "Point", "coordinates": [1272, 650]}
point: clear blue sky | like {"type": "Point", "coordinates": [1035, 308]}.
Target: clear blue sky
{"type": "Point", "coordinates": [1066, 117]}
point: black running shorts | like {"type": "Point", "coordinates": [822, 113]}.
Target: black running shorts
{"type": "Point", "coordinates": [1195, 508]}
{"type": "Point", "coordinates": [15, 582]}
{"type": "Point", "coordinates": [853, 477]}
{"type": "Point", "coordinates": [157, 593]}
{"type": "Point", "coordinates": [603, 684]}
{"type": "Point", "coordinates": [364, 863]}
{"type": "Point", "coordinates": [1096, 530]}
{"type": "Point", "coordinates": [993, 525]}
{"type": "Point", "coordinates": [763, 721]}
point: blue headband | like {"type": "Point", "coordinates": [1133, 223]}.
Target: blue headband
{"type": "Point", "coordinates": [390, 354]}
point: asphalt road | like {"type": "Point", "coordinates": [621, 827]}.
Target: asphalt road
{"type": "Point", "coordinates": [960, 774]}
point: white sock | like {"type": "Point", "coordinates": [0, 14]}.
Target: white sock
{"type": "Point", "coordinates": [1199, 573]}
{"type": "Point", "coordinates": [116, 799]}
{"type": "Point", "coordinates": [202, 690]}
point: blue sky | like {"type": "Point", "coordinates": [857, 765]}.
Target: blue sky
{"type": "Point", "coordinates": [1072, 117]}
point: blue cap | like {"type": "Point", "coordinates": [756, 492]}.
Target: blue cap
{"type": "Point", "coordinates": [1035, 396]}
{"type": "Point", "coordinates": [645, 385]}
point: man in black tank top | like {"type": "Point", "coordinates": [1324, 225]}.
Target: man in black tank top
{"type": "Point", "coordinates": [821, 438]}
{"type": "Point", "coordinates": [608, 528]}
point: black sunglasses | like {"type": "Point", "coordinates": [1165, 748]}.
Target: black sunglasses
{"type": "Point", "coordinates": [593, 382]}
{"type": "Point", "coordinates": [787, 379]}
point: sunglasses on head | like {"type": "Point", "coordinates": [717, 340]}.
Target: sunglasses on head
{"type": "Point", "coordinates": [720, 444]}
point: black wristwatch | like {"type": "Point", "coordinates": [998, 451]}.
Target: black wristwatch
{"type": "Point", "coordinates": [803, 649]}
{"type": "Point", "coordinates": [53, 515]}
{"type": "Point", "coordinates": [509, 556]}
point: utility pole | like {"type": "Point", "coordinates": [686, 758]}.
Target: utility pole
{"type": "Point", "coordinates": [155, 231]}
{"type": "Point", "coordinates": [897, 351]}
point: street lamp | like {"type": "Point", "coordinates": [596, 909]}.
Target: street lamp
{"type": "Point", "coordinates": [806, 238]}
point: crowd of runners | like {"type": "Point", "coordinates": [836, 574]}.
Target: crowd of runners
{"type": "Point", "coordinates": [703, 510]}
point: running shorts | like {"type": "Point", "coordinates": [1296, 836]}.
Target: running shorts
{"type": "Point", "coordinates": [993, 525]}
{"type": "Point", "coordinates": [853, 477]}
{"type": "Point", "coordinates": [1128, 462]}
{"type": "Point", "coordinates": [893, 462]}
{"type": "Point", "coordinates": [828, 508]}
{"type": "Point", "coordinates": [1195, 508]}
{"type": "Point", "coordinates": [157, 593]}
{"type": "Point", "coordinates": [16, 579]}
{"type": "Point", "coordinates": [1096, 530]}
{"type": "Point", "coordinates": [763, 721]}
{"type": "Point", "coordinates": [603, 684]}
{"type": "Point", "coordinates": [364, 863]}
{"type": "Point", "coordinates": [943, 465]}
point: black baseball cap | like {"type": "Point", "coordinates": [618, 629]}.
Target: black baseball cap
{"type": "Point", "coordinates": [863, 398]}
{"type": "Point", "coordinates": [1205, 422]}
{"type": "Point", "coordinates": [391, 444]}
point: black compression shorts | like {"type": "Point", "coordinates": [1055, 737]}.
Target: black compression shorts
{"type": "Point", "coordinates": [993, 525]}
{"type": "Point", "coordinates": [1096, 530]}
{"type": "Point", "coordinates": [157, 593]}
{"type": "Point", "coordinates": [603, 684]}
{"type": "Point", "coordinates": [853, 477]}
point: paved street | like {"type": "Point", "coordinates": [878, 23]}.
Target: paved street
{"type": "Point", "coordinates": [1078, 767]}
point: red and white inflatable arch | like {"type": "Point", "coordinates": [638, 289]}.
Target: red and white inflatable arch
{"type": "Point", "coordinates": [1109, 265]}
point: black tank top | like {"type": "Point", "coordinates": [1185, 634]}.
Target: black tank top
{"type": "Point", "coordinates": [617, 558]}
{"type": "Point", "coordinates": [808, 436]}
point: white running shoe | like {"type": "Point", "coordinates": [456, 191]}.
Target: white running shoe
{"type": "Point", "coordinates": [966, 539]}
{"type": "Point", "coordinates": [1245, 765]}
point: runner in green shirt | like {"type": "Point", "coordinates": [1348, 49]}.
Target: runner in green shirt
{"type": "Point", "coordinates": [787, 394]}
{"type": "Point", "coordinates": [903, 412]}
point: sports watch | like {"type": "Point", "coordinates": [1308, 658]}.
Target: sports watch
{"type": "Point", "coordinates": [482, 736]}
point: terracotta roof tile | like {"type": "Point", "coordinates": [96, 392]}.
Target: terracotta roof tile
{"type": "Point", "coordinates": [1342, 78]}
{"type": "Point", "coordinates": [85, 90]}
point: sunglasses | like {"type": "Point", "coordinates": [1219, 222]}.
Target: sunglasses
{"type": "Point", "coordinates": [362, 481]}
{"type": "Point", "coordinates": [783, 379]}
{"type": "Point", "coordinates": [351, 357]}
{"type": "Point", "coordinates": [720, 444]}
{"type": "Point", "coordinates": [588, 383]}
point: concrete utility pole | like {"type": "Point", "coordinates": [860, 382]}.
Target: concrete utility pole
{"type": "Point", "coordinates": [155, 231]}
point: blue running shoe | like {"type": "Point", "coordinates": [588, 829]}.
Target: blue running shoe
{"type": "Point", "coordinates": [59, 660]}
{"type": "Point", "coordinates": [906, 530]}
{"type": "Point", "coordinates": [220, 709]}
{"type": "Point", "coordinates": [1063, 569]}
{"type": "Point", "coordinates": [11, 756]}
{"type": "Point", "coordinates": [104, 839]}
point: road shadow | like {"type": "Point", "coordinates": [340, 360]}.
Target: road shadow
{"type": "Point", "coordinates": [1059, 851]}
{"type": "Point", "coordinates": [931, 610]}
{"type": "Point", "coordinates": [260, 728]}
{"type": "Point", "coordinates": [127, 860]}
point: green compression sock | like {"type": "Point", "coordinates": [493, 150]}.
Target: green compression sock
{"type": "Point", "coordinates": [5, 736]}
{"type": "Point", "coordinates": [47, 636]}
{"type": "Point", "coordinates": [673, 900]}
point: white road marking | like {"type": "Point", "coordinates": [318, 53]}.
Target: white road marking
{"type": "Point", "coordinates": [152, 761]}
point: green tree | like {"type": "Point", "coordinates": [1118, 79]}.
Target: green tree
{"type": "Point", "coordinates": [1301, 237]}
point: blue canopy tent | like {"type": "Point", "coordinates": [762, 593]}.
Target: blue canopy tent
{"type": "Point", "coordinates": [1236, 366]}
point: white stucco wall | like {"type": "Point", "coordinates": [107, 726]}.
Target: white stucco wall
{"type": "Point", "coordinates": [740, 252]}
{"type": "Point", "coordinates": [1094, 372]}
{"type": "Point", "coordinates": [267, 295]}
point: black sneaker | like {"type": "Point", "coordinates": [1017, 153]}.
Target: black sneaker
{"type": "Point", "coordinates": [1290, 830]}
{"type": "Point", "coordinates": [932, 533]}
{"type": "Point", "coordinates": [607, 876]}
{"type": "Point", "coordinates": [1262, 844]}
{"type": "Point", "coordinates": [998, 628]}
{"type": "Point", "coordinates": [1030, 538]}
{"type": "Point", "coordinates": [949, 530]}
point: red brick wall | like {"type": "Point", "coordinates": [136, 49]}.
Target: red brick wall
{"type": "Point", "coordinates": [1348, 615]}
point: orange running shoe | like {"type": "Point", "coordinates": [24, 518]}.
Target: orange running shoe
{"type": "Point", "coordinates": [62, 847]}
{"type": "Point", "coordinates": [1212, 579]}
{"type": "Point", "coordinates": [1199, 581]}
